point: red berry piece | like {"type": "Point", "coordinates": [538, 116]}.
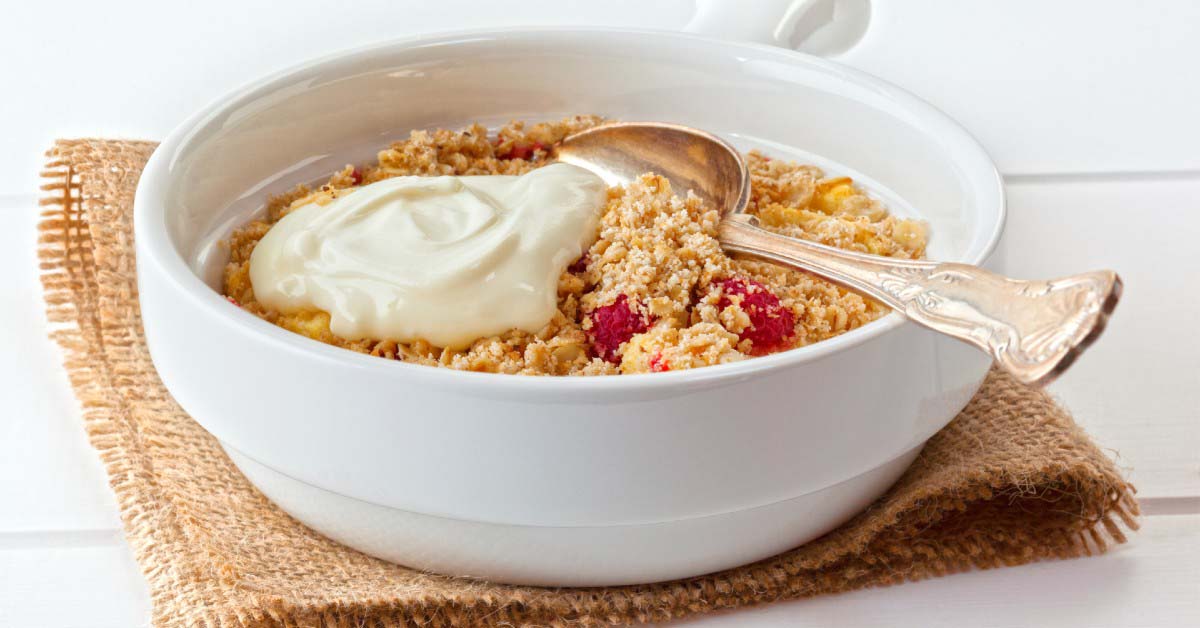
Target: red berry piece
{"type": "Point", "coordinates": [356, 177]}
{"type": "Point", "coordinates": [771, 324]}
{"type": "Point", "coordinates": [233, 301]}
{"type": "Point", "coordinates": [614, 324]}
{"type": "Point", "coordinates": [523, 151]}
{"type": "Point", "coordinates": [658, 364]}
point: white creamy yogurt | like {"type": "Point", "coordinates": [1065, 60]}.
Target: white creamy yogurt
{"type": "Point", "coordinates": [444, 259]}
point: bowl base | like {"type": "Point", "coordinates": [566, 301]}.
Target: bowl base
{"type": "Point", "coordinates": [573, 556]}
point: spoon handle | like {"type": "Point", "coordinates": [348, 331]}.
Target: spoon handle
{"type": "Point", "coordinates": [1032, 329]}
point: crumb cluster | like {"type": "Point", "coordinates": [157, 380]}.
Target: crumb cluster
{"type": "Point", "coordinates": [655, 292]}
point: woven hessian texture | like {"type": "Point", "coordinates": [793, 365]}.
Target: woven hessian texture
{"type": "Point", "coordinates": [1011, 480]}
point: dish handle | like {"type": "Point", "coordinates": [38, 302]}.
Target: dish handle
{"type": "Point", "coordinates": [821, 27]}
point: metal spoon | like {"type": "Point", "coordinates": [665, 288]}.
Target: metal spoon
{"type": "Point", "coordinates": [1032, 329]}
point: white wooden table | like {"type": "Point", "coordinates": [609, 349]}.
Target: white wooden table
{"type": "Point", "coordinates": [1088, 107]}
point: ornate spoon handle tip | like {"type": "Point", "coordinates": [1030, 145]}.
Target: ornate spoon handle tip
{"type": "Point", "coordinates": [1032, 329]}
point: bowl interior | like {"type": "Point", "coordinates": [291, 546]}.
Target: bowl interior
{"type": "Point", "coordinates": [303, 123]}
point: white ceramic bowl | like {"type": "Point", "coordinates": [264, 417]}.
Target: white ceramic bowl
{"type": "Point", "coordinates": [557, 481]}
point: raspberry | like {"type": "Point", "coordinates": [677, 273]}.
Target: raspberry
{"type": "Point", "coordinates": [233, 301]}
{"type": "Point", "coordinates": [771, 324]}
{"type": "Point", "coordinates": [614, 324]}
{"type": "Point", "coordinates": [356, 177]}
{"type": "Point", "coordinates": [658, 364]}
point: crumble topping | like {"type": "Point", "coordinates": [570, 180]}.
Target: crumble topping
{"type": "Point", "coordinates": [655, 292]}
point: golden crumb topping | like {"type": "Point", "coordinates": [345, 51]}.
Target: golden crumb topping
{"type": "Point", "coordinates": [655, 292]}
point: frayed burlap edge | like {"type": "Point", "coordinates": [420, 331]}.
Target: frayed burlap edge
{"type": "Point", "coordinates": [71, 290]}
{"type": "Point", "coordinates": [945, 515]}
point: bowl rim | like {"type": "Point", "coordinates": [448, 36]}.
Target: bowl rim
{"type": "Point", "coordinates": [154, 243]}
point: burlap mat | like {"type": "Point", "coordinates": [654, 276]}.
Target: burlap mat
{"type": "Point", "coordinates": [1010, 481]}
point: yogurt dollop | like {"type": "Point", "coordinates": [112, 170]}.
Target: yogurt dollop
{"type": "Point", "coordinates": [444, 259]}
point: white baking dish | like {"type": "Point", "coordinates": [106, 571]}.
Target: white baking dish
{"type": "Point", "coordinates": [557, 481]}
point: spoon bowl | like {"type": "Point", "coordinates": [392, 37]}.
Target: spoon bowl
{"type": "Point", "coordinates": [1032, 329]}
{"type": "Point", "coordinates": [689, 158]}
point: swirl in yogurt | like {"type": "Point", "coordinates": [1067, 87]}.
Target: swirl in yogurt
{"type": "Point", "coordinates": [444, 259]}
